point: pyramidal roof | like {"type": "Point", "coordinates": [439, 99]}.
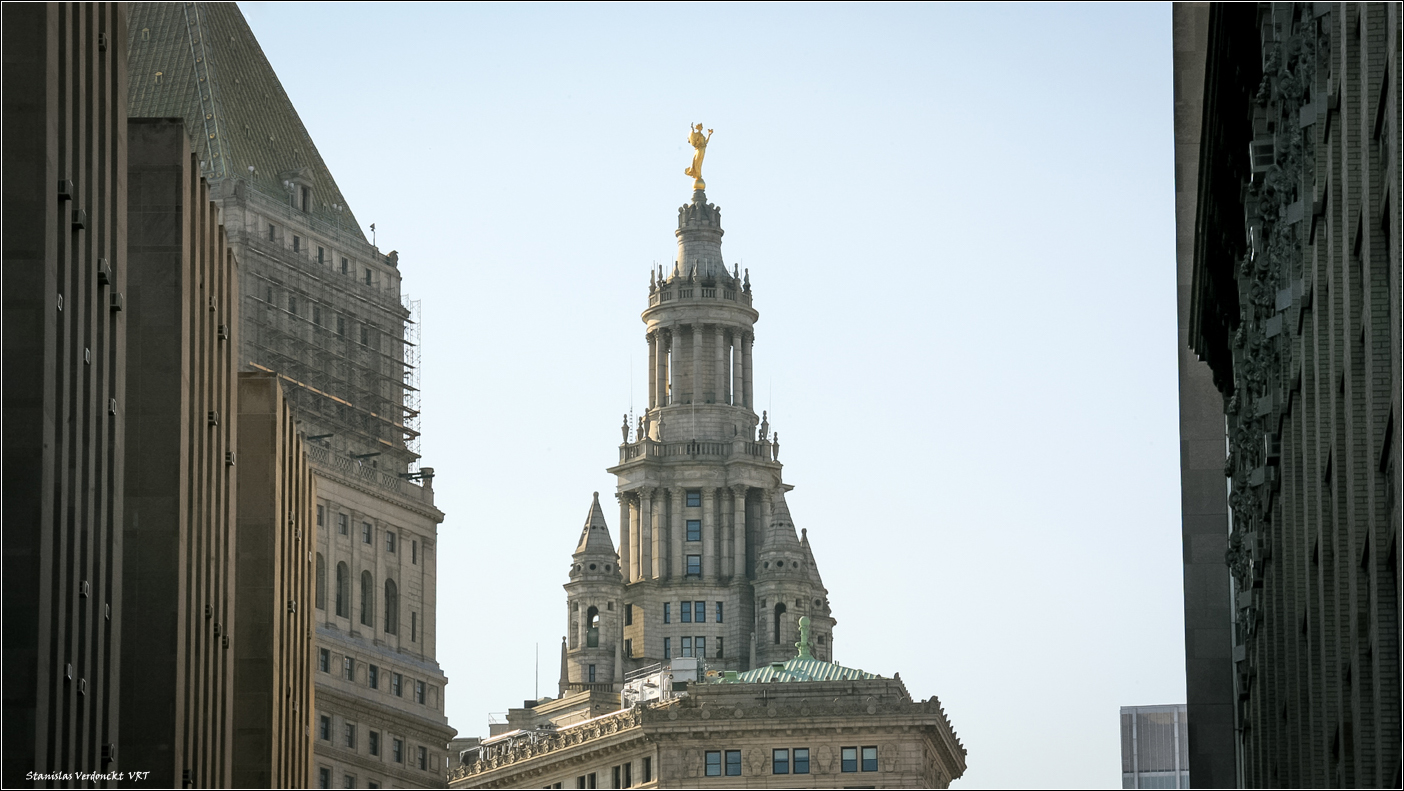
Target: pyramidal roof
{"type": "Point", "coordinates": [780, 533]}
{"type": "Point", "coordinates": [201, 62]}
{"type": "Point", "coordinates": [810, 565]}
{"type": "Point", "coordinates": [594, 538]}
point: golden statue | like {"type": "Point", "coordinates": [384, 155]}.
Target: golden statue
{"type": "Point", "coordinates": [699, 144]}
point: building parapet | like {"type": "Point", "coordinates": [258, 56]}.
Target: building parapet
{"type": "Point", "coordinates": [647, 448]}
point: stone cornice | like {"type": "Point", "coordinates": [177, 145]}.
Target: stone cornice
{"type": "Point", "coordinates": [326, 471]}
{"type": "Point", "coordinates": [365, 707]}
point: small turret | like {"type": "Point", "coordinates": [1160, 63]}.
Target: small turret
{"type": "Point", "coordinates": [788, 588]}
{"type": "Point", "coordinates": [593, 596]}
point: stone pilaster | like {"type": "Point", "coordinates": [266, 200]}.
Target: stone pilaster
{"type": "Point", "coordinates": [746, 342]}
{"type": "Point", "coordinates": [709, 533]}
{"type": "Point", "coordinates": [625, 530]}
{"type": "Point", "coordinates": [645, 569]}
{"type": "Point", "coordinates": [676, 527]}
{"type": "Point", "coordinates": [739, 529]}
{"type": "Point", "coordinates": [652, 370]}
{"type": "Point", "coordinates": [738, 373]}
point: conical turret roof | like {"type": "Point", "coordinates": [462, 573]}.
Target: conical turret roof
{"type": "Point", "coordinates": [594, 537]}
{"type": "Point", "coordinates": [810, 565]}
{"type": "Point", "coordinates": [780, 550]}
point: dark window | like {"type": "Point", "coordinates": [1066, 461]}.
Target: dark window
{"type": "Point", "coordinates": [686, 611]}
{"type": "Point", "coordinates": [345, 266]}
{"type": "Point", "coordinates": [349, 666]}
{"type": "Point", "coordinates": [323, 777]}
{"type": "Point", "coordinates": [648, 770]}
{"type": "Point", "coordinates": [324, 728]}
{"type": "Point", "coordinates": [848, 759]}
{"type": "Point", "coordinates": [397, 751]}
{"type": "Point", "coordinates": [779, 611]}
{"type": "Point", "coordinates": [324, 660]}
{"type": "Point", "coordinates": [423, 758]}
{"type": "Point", "coordinates": [373, 677]}
{"type": "Point", "coordinates": [321, 593]}
{"type": "Point", "coordinates": [694, 530]}
{"type": "Point", "coordinates": [699, 611]}
{"type": "Point", "coordinates": [629, 775]}
{"type": "Point", "coordinates": [694, 565]}
{"type": "Point", "coordinates": [719, 612]}
{"type": "Point", "coordinates": [414, 627]}
{"type": "Point", "coordinates": [373, 742]}
{"type": "Point", "coordinates": [714, 764]}
{"type": "Point", "coordinates": [414, 552]}
{"type": "Point", "coordinates": [321, 514]}
{"type": "Point", "coordinates": [348, 781]}
{"type": "Point", "coordinates": [367, 598]}
{"type": "Point", "coordinates": [590, 780]}
{"type": "Point", "coordinates": [306, 199]}
{"type": "Point", "coordinates": [629, 648]}
{"type": "Point", "coordinates": [392, 608]}
{"type": "Point", "coordinates": [667, 648]}
{"type": "Point", "coordinates": [694, 499]}
{"type": "Point", "coordinates": [700, 645]}
{"type": "Point", "coordinates": [618, 777]}
{"type": "Point", "coordinates": [687, 646]}
{"type": "Point", "coordinates": [780, 762]}
{"type": "Point", "coordinates": [580, 781]}
{"type": "Point", "coordinates": [801, 760]}
{"type": "Point", "coordinates": [343, 591]}
{"type": "Point", "coordinates": [870, 759]}
{"type": "Point", "coordinates": [396, 683]}
{"type": "Point", "coordinates": [321, 256]}
{"type": "Point", "coordinates": [340, 325]}
{"type": "Point", "coordinates": [419, 692]}
{"type": "Point", "coordinates": [368, 276]}
{"type": "Point", "coordinates": [592, 674]}
{"type": "Point", "coordinates": [733, 763]}
{"type": "Point", "coordinates": [297, 243]}
{"type": "Point", "coordinates": [366, 532]}
{"type": "Point", "coordinates": [292, 304]}
{"type": "Point", "coordinates": [365, 336]}
{"type": "Point", "coordinates": [272, 231]}
{"type": "Point", "coordinates": [343, 524]}
{"type": "Point", "coordinates": [317, 315]}
{"type": "Point", "coordinates": [628, 615]}
{"type": "Point", "coordinates": [350, 735]}
{"type": "Point", "coordinates": [389, 541]}
{"type": "Point", "coordinates": [720, 643]}
{"type": "Point", "coordinates": [667, 612]}
{"type": "Point", "coordinates": [372, 784]}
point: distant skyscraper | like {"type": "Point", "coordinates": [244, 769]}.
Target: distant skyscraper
{"type": "Point", "coordinates": [1155, 746]}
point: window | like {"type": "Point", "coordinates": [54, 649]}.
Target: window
{"type": "Point", "coordinates": [373, 677]}
{"type": "Point", "coordinates": [848, 759]}
{"type": "Point", "coordinates": [372, 784]}
{"type": "Point", "coordinates": [720, 643]}
{"type": "Point", "coordinates": [349, 781]}
{"type": "Point", "coordinates": [694, 565]}
{"type": "Point", "coordinates": [397, 751]}
{"type": "Point", "coordinates": [272, 237]}
{"type": "Point", "coordinates": [870, 759]}
{"type": "Point", "coordinates": [345, 266]}
{"type": "Point", "coordinates": [297, 243]}
{"type": "Point", "coordinates": [423, 758]}
{"type": "Point", "coordinates": [628, 615]}
{"type": "Point", "coordinates": [700, 645]}
{"type": "Point", "coordinates": [618, 777]}
{"type": "Point", "coordinates": [419, 692]}
{"type": "Point", "coordinates": [414, 553]}
{"type": "Point", "coordinates": [365, 336]}
{"type": "Point", "coordinates": [667, 612]}
{"type": "Point", "coordinates": [306, 198]}
{"type": "Point", "coordinates": [694, 498]}
{"type": "Point", "coordinates": [629, 775]}
{"type": "Point", "coordinates": [396, 680]}
{"type": "Point", "coordinates": [667, 648]}
{"type": "Point", "coordinates": [323, 777]}
{"type": "Point", "coordinates": [321, 592]}
{"type": "Point", "coordinates": [373, 742]}
{"type": "Point", "coordinates": [592, 674]}
{"type": "Point", "coordinates": [343, 524]}
{"type": "Point", "coordinates": [699, 611]}
{"type": "Point", "coordinates": [292, 304]}
{"type": "Point", "coordinates": [779, 611]}
{"type": "Point", "coordinates": [780, 762]}
{"type": "Point", "coordinates": [686, 611]}
{"type": "Point", "coordinates": [324, 660]}
{"type": "Point", "coordinates": [321, 514]}
{"type": "Point", "coordinates": [317, 315]}
{"type": "Point", "coordinates": [321, 255]}
{"type": "Point", "coordinates": [368, 276]}
{"type": "Point", "coordinates": [343, 591]}
{"type": "Point", "coordinates": [350, 735]}
{"type": "Point", "coordinates": [348, 665]}
{"type": "Point", "coordinates": [687, 646]}
{"type": "Point", "coordinates": [414, 627]}
{"type": "Point", "coordinates": [392, 608]}
{"type": "Point", "coordinates": [719, 612]}
{"type": "Point", "coordinates": [648, 770]}
{"type": "Point", "coordinates": [801, 760]}
{"type": "Point", "coordinates": [629, 648]}
{"type": "Point", "coordinates": [341, 325]}
{"type": "Point", "coordinates": [389, 541]}
{"type": "Point", "coordinates": [733, 763]}
{"type": "Point", "coordinates": [714, 763]}
{"type": "Point", "coordinates": [324, 728]}
{"type": "Point", "coordinates": [366, 532]}
{"type": "Point", "coordinates": [694, 530]}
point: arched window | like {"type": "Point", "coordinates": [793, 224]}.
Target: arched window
{"type": "Point", "coordinates": [592, 631]}
{"type": "Point", "coordinates": [321, 595]}
{"type": "Point", "coordinates": [343, 591]}
{"type": "Point", "coordinates": [367, 599]}
{"type": "Point", "coordinates": [392, 608]}
{"type": "Point", "coordinates": [779, 611]}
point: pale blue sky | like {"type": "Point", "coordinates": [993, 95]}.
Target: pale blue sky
{"type": "Point", "coordinates": [958, 222]}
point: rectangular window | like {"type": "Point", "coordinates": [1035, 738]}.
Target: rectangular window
{"type": "Point", "coordinates": [733, 763]}
{"type": "Point", "coordinates": [648, 769]}
{"type": "Point", "coordinates": [628, 615]}
{"type": "Point", "coordinates": [366, 532]}
{"type": "Point", "coordinates": [272, 231]}
{"type": "Point", "coordinates": [699, 611]}
{"type": "Point", "coordinates": [368, 276]}
{"type": "Point", "coordinates": [397, 751]}
{"type": "Point", "coordinates": [590, 780]}
{"type": "Point", "coordinates": [720, 643]}
{"type": "Point", "coordinates": [297, 243]}
{"type": "Point", "coordinates": [870, 759]}
{"type": "Point", "coordinates": [687, 646]}
{"type": "Point", "coordinates": [324, 728]}
{"type": "Point", "coordinates": [419, 692]}
{"type": "Point", "coordinates": [694, 565]}
{"type": "Point", "coordinates": [714, 763]}
{"type": "Point", "coordinates": [321, 514]}
{"type": "Point", "coordinates": [694, 498]}
{"type": "Point", "coordinates": [414, 552]}
{"type": "Point", "coordinates": [592, 674]}
{"type": "Point", "coordinates": [341, 325]}
{"type": "Point", "coordinates": [719, 612]}
{"type": "Point", "coordinates": [396, 680]}
{"type": "Point", "coordinates": [292, 304]}
{"type": "Point", "coordinates": [629, 775]}
{"type": "Point", "coordinates": [780, 762]}
{"type": "Point", "coordinates": [667, 648]}
{"type": "Point", "coordinates": [618, 772]}
{"type": "Point", "coordinates": [694, 530]}
{"type": "Point", "coordinates": [307, 206]}
{"type": "Point", "coordinates": [629, 648]}
{"type": "Point", "coordinates": [321, 256]}
{"type": "Point", "coordinates": [324, 660]}
{"type": "Point", "coordinates": [801, 760]}
{"type": "Point", "coordinates": [686, 611]}
{"type": "Point", "coordinates": [848, 759]}
{"type": "Point", "coordinates": [414, 627]}
{"type": "Point", "coordinates": [373, 742]}
{"type": "Point", "coordinates": [667, 612]}
{"type": "Point", "coordinates": [343, 524]}
{"type": "Point", "coordinates": [389, 541]}
{"type": "Point", "coordinates": [580, 781]}
{"type": "Point", "coordinates": [373, 677]}
{"type": "Point", "coordinates": [423, 758]}
{"type": "Point", "coordinates": [349, 781]}
{"type": "Point", "coordinates": [345, 266]}
{"type": "Point", "coordinates": [350, 735]}
{"type": "Point", "coordinates": [699, 645]}
{"type": "Point", "coordinates": [365, 336]}
{"type": "Point", "coordinates": [349, 665]}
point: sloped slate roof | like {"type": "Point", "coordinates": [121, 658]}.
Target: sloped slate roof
{"type": "Point", "coordinates": [213, 74]}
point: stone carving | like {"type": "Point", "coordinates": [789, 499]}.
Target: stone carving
{"type": "Point", "coordinates": [755, 759]}
{"type": "Point", "coordinates": [776, 444]}
{"type": "Point", "coordinates": [764, 426]}
{"type": "Point", "coordinates": [824, 759]}
{"type": "Point", "coordinates": [660, 428]}
{"type": "Point", "coordinates": [624, 429]}
{"type": "Point", "coordinates": [887, 753]}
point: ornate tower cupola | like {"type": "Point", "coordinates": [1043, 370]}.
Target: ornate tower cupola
{"type": "Point", "coordinates": [787, 587]}
{"type": "Point", "coordinates": [593, 606]}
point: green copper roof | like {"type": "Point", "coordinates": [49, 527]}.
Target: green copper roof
{"type": "Point", "coordinates": [803, 667]}
{"type": "Point", "coordinates": [201, 62]}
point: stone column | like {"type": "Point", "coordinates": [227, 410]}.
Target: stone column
{"type": "Point", "coordinates": [652, 370]}
{"type": "Point", "coordinates": [644, 570]}
{"type": "Point", "coordinates": [720, 385]}
{"type": "Point", "coordinates": [676, 526]}
{"type": "Point", "coordinates": [632, 553]}
{"type": "Point", "coordinates": [748, 374]}
{"type": "Point", "coordinates": [696, 367]}
{"type": "Point", "coordinates": [765, 517]}
{"type": "Point", "coordinates": [738, 493]}
{"type": "Point", "coordinates": [659, 541]}
{"type": "Point", "coordinates": [738, 374]}
{"type": "Point", "coordinates": [709, 535]}
{"type": "Point", "coordinates": [625, 531]}
{"type": "Point", "coordinates": [660, 371]}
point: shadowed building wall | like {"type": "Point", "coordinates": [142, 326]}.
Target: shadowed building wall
{"type": "Point", "coordinates": [64, 273]}
{"type": "Point", "coordinates": [178, 580]}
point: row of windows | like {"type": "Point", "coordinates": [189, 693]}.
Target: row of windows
{"type": "Point", "coordinates": [342, 595]}
{"type": "Point", "coordinates": [367, 534]}
{"type": "Point", "coordinates": [791, 760]}
{"type": "Point", "coordinates": [324, 779]}
{"type": "Point", "coordinates": [688, 612]}
{"type": "Point", "coordinates": [621, 775]}
{"type": "Point", "coordinates": [688, 646]}
{"type": "Point", "coordinates": [373, 674]}
{"type": "Point", "coordinates": [349, 740]}
{"type": "Point", "coordinates": [367, 274]}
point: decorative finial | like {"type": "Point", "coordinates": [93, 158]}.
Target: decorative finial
{"type": "Point", "coordinates": [803, 644]}
{"type": "Point", "coordinates": [699, 145]}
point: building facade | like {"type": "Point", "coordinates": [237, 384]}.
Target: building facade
{"type": "Point", "coordinates": [65, 251]}
{"type": "Point", "coordinates": [1155, 746]}
{"type": "Point", "coordinates": [321, 308]}
{"type": "Point", "coordinates": [1290, 276]}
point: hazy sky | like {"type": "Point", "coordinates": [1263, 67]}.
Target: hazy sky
{"type": "Point", "coordinates": [958, 222]}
